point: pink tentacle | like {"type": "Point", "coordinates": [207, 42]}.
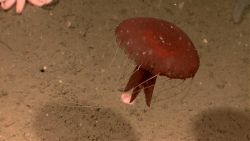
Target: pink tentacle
{"type": "Point", "coordinates": [7, 4]}
{"type": "Point", "coordinates": [20, 5]}
{"type": "Point", "coordinates": [37, 2]}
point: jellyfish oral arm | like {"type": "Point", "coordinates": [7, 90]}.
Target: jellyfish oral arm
{"type": "Point", "coordinates": [140, 79]}
{"type": "Point", "coordinates": [149, 84]}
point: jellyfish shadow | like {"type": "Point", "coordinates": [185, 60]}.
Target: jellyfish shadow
{"type": "Point", "coordinates": [223, 124]}
{"type": "Point", "coordinates": [55, 122]}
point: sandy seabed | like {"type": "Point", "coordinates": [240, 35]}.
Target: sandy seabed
{"type": "Point", "coordinates": [77, 96]}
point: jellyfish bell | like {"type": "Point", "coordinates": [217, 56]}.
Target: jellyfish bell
{"type": "Point", "coordinates": [158, 48]}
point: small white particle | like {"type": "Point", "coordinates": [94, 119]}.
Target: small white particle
{"type": "Point", "coordinates": [128, 43]}
{"type": "Point", "coordinates": [161, 38]}
{"type": "Point", "coordinates": [44, 68]}
{"type": "Point", "coordinates": [205, 41]}
{"type": "Point", "coordinates": [51, 13]}
{"type": "Point", "coordinates": [68, 24]}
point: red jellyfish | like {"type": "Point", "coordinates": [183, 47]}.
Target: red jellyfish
{"type": "Point", "coordinates": [159, 48]}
